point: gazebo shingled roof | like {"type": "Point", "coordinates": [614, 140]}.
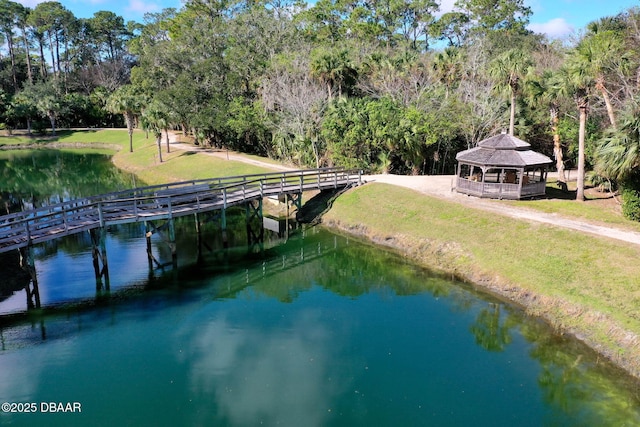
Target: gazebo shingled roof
{"type": "Point", "coordinates": [503, 150]}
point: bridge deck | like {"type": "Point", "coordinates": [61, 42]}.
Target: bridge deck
{"type": "Point", "coordinates": [160, 202]}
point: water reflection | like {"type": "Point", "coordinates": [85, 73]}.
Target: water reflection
{"type": "Point", "coordinates": [35, 178]}
{"type": "Point", "coordinates": [323, 331]}
{"type": "Point", "coordinates": [260, 376]}
{"type": "Point", "coordinates": [491, 330]}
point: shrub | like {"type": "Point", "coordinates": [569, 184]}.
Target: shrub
{"type": "Point", "coordinates": [631, 197]}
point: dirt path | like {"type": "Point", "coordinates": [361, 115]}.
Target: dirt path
{"type": "Point", "coordinates": [225, 155]}
{"type": "Point", "coordinates": [442, 186]}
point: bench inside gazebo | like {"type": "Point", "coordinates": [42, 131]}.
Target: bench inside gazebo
{"type": "Point", "coordinates": [502, 167]}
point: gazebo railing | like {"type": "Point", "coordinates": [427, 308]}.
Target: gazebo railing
{"type": "Point", "coordinates": [469, 187]}
{"type": "Point", "coordinates": [534, 189]}
{"type": "Point", "coordinates": [499, 190]}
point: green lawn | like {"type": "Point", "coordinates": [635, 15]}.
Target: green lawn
{"type": "Point", "coordinates": [599, 208]}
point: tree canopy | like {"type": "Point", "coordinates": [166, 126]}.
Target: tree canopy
{"type": "Point", "coordinates": [383, 85]}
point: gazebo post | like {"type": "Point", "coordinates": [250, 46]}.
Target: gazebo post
{"type": "Point", "coordinates": [520, 179]}
{"type": "Point", "coordinates": [484, 175]}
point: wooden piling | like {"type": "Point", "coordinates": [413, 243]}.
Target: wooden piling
{"type": "Point", "coordinates": [27, 262]}
{"type": "Point", "coordinates": [100, 261]}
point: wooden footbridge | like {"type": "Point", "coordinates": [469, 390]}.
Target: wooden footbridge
{"type": "Point", "coordinates": [22, 230]}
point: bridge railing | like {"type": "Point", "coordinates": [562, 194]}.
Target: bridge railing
{"type": "Point", "coordinates": [160, 201]}
{"type": "Point", "coordinates": [286, 178]}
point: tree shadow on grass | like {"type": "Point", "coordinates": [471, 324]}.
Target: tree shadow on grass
{"type": "Point", "coordinates": [553, 192]}
{"type": "Point", "coordinates": [556, 192]}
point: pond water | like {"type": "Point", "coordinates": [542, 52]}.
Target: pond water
{"type": "Point", "coordinates": [318, 330]}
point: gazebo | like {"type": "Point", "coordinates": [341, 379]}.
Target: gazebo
{"type": "Point", "coordinates": [502, 167]}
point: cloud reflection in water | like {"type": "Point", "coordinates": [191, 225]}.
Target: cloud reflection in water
{"type": "Point", "coordinates": [280, 376]}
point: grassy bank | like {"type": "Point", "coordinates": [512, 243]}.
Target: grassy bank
{"type": "Point", "coordinates": [179, 165]}
{"type": "Point", "coordinates": [581, 284]}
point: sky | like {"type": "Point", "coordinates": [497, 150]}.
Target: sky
{"type": "Point", "coordinates": [556, 18]}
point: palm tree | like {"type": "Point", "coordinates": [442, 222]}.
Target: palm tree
{"type": "Point", "coordinates": [602, 52]}
{"type": "Point", "coordinates": [577, 82]}
{"type": "Point", "coordinates": [618, 154]}
{"type": "Point", "coordinates": [333, 68]}
{"type": "Point", "coordinates": [154, 118]}
{"type": "Point", "coordinates": [447, 65]}
{"type": "Point", "coordinates": [618, 158]}
{"type": "Point", "coordinates": [128, 101]}
{"type": "Point", "coordinates": [45, 97]}
{"type": "Point", "coordinates": [508, 69]}
{"type": "Point", "coordinates": [546, 90]}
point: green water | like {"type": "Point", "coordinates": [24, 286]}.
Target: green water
{"type": "Point", "coordinates": [320, 330]}
{"type": "Point", "coordinates": [38, 177]}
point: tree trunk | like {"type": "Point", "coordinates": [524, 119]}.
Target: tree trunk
{"type": "Point", "coordinates": [607, 101]}
{"type": "Point", "coordinates": [53, 57]}
{"type": "Point", "coordinates": [512, 116]}
{"type": "Point", "coordinates": [581, 137]}
{"type": "Point", "coordinates": [52, 119]}
{"type": "Point", "coordinates": [13, 61]}
{"type": "Point", "coordinates": [28, 54]}
{"type": "Point", "coordinates": [166, 132]}
{"type": "Point", "coordinates": [66, 65]}
{"type": "Point", "coordinates": [159, 142]}
{"type": "Point", "coordinates": [557, 146]}
{"type": "Point", "coordinates": [316, 153]}
{"type": "Point", "coordinates": [111, 49]}
{"type": "Point", "coordinates": [43, 62]}
{"type": "Point", "coordinates": [128, 117]}
{"type": "Point", "coordinates": [58, 53]}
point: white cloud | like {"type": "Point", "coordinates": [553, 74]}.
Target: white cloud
{"type": "Point", "coordinates": [446, 6]}
{"type": "Point", "coordinates": [30, 3]}
{"type": "Point", "coordinates": [556, 28]}
{"type": "Point", "coordinates": [142, 7]}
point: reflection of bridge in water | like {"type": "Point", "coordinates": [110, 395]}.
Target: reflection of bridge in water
{"type": "Point", "coordinates": [157, 207]}
{"type": "Point", "coordinates": [229, 284]}
{"type": "Point", "coordinates": [277, 265]}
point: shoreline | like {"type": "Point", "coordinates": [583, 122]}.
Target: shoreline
{"type": "Point", "coordinates": [535, 305]}
{"type": "Point", "coordinates": [603, 334]}
{"type": "Point", "coordinates": [60, 145]}
{"type": "Point", "coordinates": [567, 318]}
